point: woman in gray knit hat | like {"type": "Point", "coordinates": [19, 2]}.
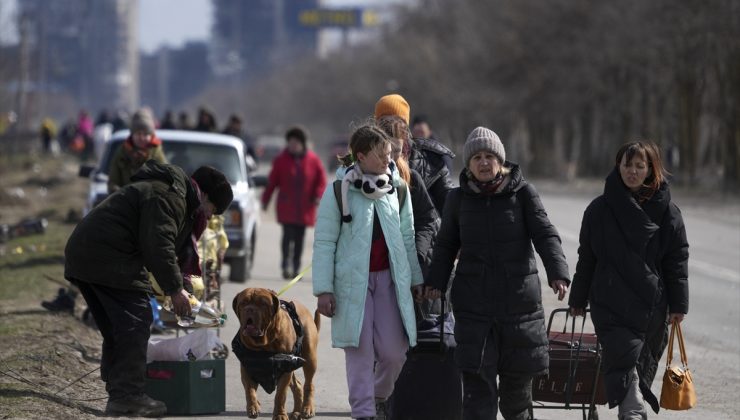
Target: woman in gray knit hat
{"type": "Point", "coordinates": [492, 219]}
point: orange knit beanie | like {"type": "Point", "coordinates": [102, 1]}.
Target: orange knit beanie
{"type": "Point", "coordinates": [392, 105]}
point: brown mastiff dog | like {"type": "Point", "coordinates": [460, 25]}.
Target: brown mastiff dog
{"type": "Point", "coordinates": [266, 328]}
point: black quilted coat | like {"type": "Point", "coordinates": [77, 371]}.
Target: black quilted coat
{"type": "Point", "coordinates": [427, 158]}
{"type": "Point", "coordinates": [426, 221]}
{"type": "Point", "coordinates": [632, 270]}
{"type": "Point", "coordinates": [496, 285]}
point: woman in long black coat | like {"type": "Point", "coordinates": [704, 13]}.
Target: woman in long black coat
{"type": "Point", "coordinates": [633, 272]}
{"type": "Point", "coordinates": [493, 219]}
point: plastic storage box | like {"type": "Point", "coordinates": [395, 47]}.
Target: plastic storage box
{"type": "Point", "coordinates": [197, 387]}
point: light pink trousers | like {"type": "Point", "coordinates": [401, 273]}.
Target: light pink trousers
{"type": "Point", "coordinates": [372, 368]}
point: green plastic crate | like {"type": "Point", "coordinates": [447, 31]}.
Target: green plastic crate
{"type": "Point", "coordinates": [197, 387]}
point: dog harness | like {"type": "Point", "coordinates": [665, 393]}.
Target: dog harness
{"type": "Point", "coordinates": [266, 367]}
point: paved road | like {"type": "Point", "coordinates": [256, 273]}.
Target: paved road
{"type": "Point", "coordinates": [712, 328]}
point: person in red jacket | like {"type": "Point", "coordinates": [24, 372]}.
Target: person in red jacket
{"type": "Point", "coordinates": [300, 177]}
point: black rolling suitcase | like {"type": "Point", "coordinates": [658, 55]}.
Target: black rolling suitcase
{"type": "Point", "coordinates": [429, 386]}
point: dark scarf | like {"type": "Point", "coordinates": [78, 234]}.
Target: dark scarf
{"type": "Point", "coordinates": [638, 216]}
{"type": "Point", "coordinates": [188, 258]}
{"type": "Point", "coordinates": [486, 188]}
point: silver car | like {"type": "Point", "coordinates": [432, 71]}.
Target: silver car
{"type": "Point", "coordinates": [190, 150]}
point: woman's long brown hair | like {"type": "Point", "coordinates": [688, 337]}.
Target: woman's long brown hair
{"type": "Point", "coordinates": [651, 153]}
{"type": "Point", "coordinates": [398, 132]}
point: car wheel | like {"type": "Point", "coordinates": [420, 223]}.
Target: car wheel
{"type": "Point", "coordinates": [241, 268]}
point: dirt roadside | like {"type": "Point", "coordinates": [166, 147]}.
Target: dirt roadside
{"type": "Point", "coordinates": [48, 362]}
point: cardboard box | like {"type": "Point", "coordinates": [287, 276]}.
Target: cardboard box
{"type": "Point", "coordinates": [197, 387]}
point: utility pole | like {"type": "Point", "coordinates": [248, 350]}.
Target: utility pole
{"type": "Point", "coordinates": [280, 37]}
{"type": "Point", "coordinates": [21, 98]}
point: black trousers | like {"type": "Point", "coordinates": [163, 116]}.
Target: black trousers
{"type": "Point", "coordinates": [123, 318]}
{"type": "Point", "coordinates": [482, 398]}
{"type": "Point", "coordinates": [292, 246]}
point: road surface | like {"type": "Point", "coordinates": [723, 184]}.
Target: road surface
{"type": "Point", "coordinates": [712, 327]}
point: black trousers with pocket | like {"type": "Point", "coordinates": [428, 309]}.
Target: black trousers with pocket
{"type": "Point", "coordinates": [124, 318]}
{"type": "Point", "coordinates": [483, 397]}
{"type": "Point", "coordinates": [292, 246]}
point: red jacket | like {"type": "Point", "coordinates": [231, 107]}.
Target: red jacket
{"type": "Point", "coordinates": [301, 182]}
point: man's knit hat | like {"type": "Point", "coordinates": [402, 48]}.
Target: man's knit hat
{"type": "Point", "coordinates": [482, 138]}
{"type": "Point", "coordinates": [214, 183]}
{"type": "Point", "coordinates": [392, 105]}
{"type": "Point", "coordinates": [142, 121]}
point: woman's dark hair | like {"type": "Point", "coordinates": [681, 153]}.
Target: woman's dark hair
{"type": "Point", "coordinates": [214, 183]}
{"type": "Point", "coordinates": [364, 139]}
{"type": "Point", "coordinates": [651, 153]}
{"type": "Point", "coordinates": [298, 132]}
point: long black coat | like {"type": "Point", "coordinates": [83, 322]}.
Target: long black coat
{"type": "Point", "coordinates": [426, 221]}
{"type": "Point", "coordinates": [632, 269]}
{"type": "Point", "coordinates": [496, 284]}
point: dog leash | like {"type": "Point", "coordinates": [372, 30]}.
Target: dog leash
{"type": "Point", "coordinates": [295, 280]}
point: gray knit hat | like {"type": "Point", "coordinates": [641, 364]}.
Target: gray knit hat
{"type": "Point", "coordinates": [482, 138]}
{"type": "Point", "coordinates": [142, 120]}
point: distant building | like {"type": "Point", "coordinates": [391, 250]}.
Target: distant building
{"type": "Point", "coordinates": [86, 48]}
{"type": "Point", "coordinates": [252, 36]}
{"type": "Point", "coordinates": [169, 77]}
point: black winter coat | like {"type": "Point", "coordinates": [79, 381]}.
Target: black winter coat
{"type": "Point", "coordinates": [426, 221]}
{"type": "Point", "coordinates": [144, 224]}
{"type": "Point", "coordinates": [632, 269]}
{"type": "Point", "coordinates": [496, 281]}
{"type": "Point", "coordinates": [427, 158]}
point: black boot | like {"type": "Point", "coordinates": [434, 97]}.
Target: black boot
{"type": "Point", "coordinates": [380, 409]}
{"type": "Point", "coordinates": [140, 405]}
{"type": "Point", "coordinates": [64, 302]}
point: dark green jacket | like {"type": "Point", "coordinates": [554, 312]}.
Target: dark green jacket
{"type": "Point", "coordinates": [143, 225]}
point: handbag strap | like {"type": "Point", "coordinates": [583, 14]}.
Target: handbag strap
{"type": "Point", "coordinates": [676, 331]}
{"type": "Point", "coordinates": [682, 345]}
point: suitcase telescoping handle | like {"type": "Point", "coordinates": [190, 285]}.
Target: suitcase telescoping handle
{"type": "Point", "coordinates": [578, 344]}
{"type": "Point", "coordinates": [442, 325]}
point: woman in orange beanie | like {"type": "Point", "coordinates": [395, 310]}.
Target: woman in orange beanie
{"type": "Point", "coordinates": [427, 157]}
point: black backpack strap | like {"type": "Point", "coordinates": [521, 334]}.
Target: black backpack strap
{"type": "Point", "coordinates": [338, 193]}
{"type": "Point", "coordinates": [402, 190]}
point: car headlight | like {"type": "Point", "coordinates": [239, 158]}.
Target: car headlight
{"type": "Point", "coordinates": [233, 217]}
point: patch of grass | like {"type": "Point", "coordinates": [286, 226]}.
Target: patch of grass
{"type": "Point", "coordinates": [30, 262]}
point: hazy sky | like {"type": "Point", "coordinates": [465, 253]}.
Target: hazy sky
{"type": "Point", "coordinates": [174, 22]}
{"type": "Point", "coordinates": [166, 22]}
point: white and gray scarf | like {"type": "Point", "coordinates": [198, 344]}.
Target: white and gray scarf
{"type": "Point", "coordinates": [371, 186]}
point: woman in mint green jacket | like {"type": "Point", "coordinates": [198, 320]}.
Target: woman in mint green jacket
{"type": "Point", "coordinates": [365, 269]}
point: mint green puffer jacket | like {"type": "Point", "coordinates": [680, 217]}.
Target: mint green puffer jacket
{"type": "Point", "coordinates": [341, 258]}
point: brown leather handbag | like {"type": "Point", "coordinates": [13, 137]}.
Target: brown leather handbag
{"type": "Point", "coordinates": [678, 386]}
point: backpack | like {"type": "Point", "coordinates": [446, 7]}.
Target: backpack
{"type": "Point", "coordinates": [402, 189]}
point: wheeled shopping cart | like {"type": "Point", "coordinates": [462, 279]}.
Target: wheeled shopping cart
{"type": "Point", "coordinates": [575, 381]}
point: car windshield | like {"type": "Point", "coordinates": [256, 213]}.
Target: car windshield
{"type": "Point", "coordinates": [190, 156]}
